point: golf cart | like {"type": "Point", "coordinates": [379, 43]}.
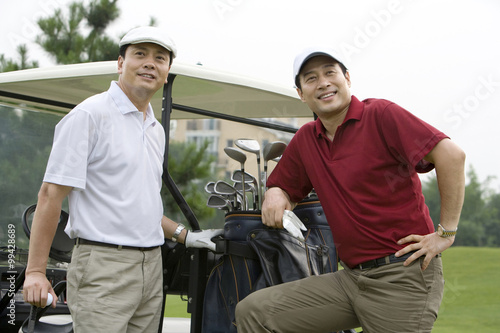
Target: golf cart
{"type": "Point", "coordinates": [261, 115]}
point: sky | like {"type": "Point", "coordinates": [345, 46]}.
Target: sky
{"type": "Point", "coordinates": [438, 59]}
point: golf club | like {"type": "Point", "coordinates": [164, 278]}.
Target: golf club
{"type": "Point", "coordinates": [241, 157]}
{"type": "Point", "coordinates": [209, 188]}
{"type": "Point", "coordinates": [248, 188]}
{"type": "Point", "coordinates": [238, 176]}
{"type": "Point", "coordinates": [223, 188]}
{"type": "Point", "coordinates": [271, 150]}
{"type": "Point", "coordinates": [252, 146]}
{"type": "Point", "coordinates": [219, 202]}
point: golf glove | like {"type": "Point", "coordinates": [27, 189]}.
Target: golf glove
{"type": "Point", "coordinates": [293, 224]}
{"type": "Point", "coordinates": [202, 238]}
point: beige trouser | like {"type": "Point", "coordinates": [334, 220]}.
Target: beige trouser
{"type": "Point", "coordinates": [111, 290]}
{"type": "Point", "coordinates": [390, 298]}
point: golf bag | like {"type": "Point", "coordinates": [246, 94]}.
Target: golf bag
{"type": "Point", "coordinates": [257, 257]}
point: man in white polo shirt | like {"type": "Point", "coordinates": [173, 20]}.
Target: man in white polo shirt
{"type": "Point", "coordinates": [107, 157]}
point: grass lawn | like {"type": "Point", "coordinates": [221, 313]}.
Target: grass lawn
{"type": "Point", "coordinates": [175, 307]}
{"type": "Point", "coordinates": [471, 300]}
{"type": "Point", "coordinates": [471, 297]}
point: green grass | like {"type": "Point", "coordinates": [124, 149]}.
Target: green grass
{"type": "Point", "coordinates": [176, 307]}
{"type": "Point", "coordinates": [471, 300]}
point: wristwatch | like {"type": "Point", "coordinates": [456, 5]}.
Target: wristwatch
{"type": "Point", "coordinates": [442, 232]}
{"type": "Point", "coordinates": [178, 231]}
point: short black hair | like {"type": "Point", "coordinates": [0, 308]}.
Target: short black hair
{"type": "Point", "coordinates": [297, 78]}
{"type": "Point", "coordinates": [123, 50]}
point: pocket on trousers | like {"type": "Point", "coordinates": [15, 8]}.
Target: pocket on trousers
{"type": "Point", "coordinates": [78, 268]}
{"type": "Point", "coordinates": [432, 274]}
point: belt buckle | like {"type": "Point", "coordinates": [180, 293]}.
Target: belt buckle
{"type": "Point", "coordinates": [363, 268]}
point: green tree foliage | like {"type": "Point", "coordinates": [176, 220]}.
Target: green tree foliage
{"type": "Point", "coordinates": [63, 38]}
{"type": "Point", "coordinates": [8, 65]}
{"type": "Point", "coordinates": [190, 167]}
{"type": "Point", "coordinates": [480, 218]}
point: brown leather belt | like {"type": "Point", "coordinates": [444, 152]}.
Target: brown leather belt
{"type": "Point", "coordinates": [84, 241]}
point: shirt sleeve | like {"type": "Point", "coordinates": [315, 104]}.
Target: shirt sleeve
{"type": "Point", "coordinates": [408, 137]}
{"type": "Point", "coordinates": [74, 138]}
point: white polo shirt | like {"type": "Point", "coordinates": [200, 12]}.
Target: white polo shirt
{"type": "Point", "coordinates": [114, 161]}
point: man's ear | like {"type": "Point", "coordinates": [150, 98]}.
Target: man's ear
{"type": "Point", "coordinates": [299, 92]}
{"type": "Point", "coordinates": [120, 64]}
{"type": "Point", "coordinates": [348, 78]}
{"type": "Point", "coordinates": [166, 79]}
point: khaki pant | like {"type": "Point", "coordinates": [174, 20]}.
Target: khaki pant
{"type": "Point", "coordinates": [390, 298]}
{"type": "Point", "coordinates": [111, 290]}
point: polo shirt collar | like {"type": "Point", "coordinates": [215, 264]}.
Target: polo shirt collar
{"type": "Point", "coordinates": [123, 103]}
{"type": "Point", "coordinates": [355, 112]}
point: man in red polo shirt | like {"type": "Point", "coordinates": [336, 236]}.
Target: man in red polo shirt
{"type": "Point", "coordinates": [362, 159]}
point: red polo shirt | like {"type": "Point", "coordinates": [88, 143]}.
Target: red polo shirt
{"type": "Point", "coordinates": [366, 179]}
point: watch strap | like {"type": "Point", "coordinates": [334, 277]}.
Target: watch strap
{"type": "Point", "coordinates": [446, 233]}
{"type": "Point", "coordinates": [178, 231]}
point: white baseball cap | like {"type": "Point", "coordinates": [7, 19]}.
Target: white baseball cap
{"type": "Point", "coordinates": [149, 35]}
{"type": "Point", "coordinates": [309, 53]}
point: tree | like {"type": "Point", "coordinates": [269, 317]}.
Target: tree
{"type": "Point", "coordinates": [480, 217]}
{"type": "Point", "coordinates": [62, 36]}
{"type": "Point", "coordinates": [8, 65]}
{"type": "Point", "coordinates": [190, 167]}
{"type": "Point", "coordinates": [492, 221]}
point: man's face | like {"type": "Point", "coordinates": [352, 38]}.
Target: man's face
{"type": "Point", "coordinates": [144, 69]}
{"type": "Point", "coordinates": [324, 88]}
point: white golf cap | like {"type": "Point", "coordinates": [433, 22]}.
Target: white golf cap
{"type": "Point", "coordinates": [149, 35]}
{"type": "Point", "coordinates": [309, 53]}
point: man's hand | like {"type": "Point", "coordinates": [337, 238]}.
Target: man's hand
{"type": "Point", "coordinates": [202, 238]}
{"type": "Point", "coordinates": [429, 246]}
{"type": "Point", "coordinates": [35, 290]}
{"type": "Point", "coordinates": [276, 201]}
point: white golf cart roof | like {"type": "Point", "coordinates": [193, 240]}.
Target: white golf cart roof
{"type": "Point", "coordinates": [59, 88]}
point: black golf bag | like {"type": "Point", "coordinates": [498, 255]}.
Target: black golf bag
{"type": "Point", "coordinates": [257, 257]}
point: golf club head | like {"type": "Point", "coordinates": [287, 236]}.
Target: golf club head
{"type": "Point", "coordinates": [223, 188]}
{"type": "Point", "coordinates": [236, 154]}
{"type": "Point", "coordinates": [248, 187]}
{"type": "Point", "coordinates": [249, 145]}
{"type": "Point", "coordinates": [209, 188]}
{"type": "Point", "coordinates": [219, 202]}
{"type": "Point", "coordinates": [273, 150]}
{"type": "Point", "coordinates": [238, 175]}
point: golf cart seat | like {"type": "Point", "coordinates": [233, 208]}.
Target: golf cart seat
{"type": "Point", "coordinates": [60, 250]}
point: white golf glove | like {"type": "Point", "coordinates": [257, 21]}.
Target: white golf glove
{"type": "Point", "coordinates": [202, 238]}
{"type": "Point", "coordinates": [293, 224]}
